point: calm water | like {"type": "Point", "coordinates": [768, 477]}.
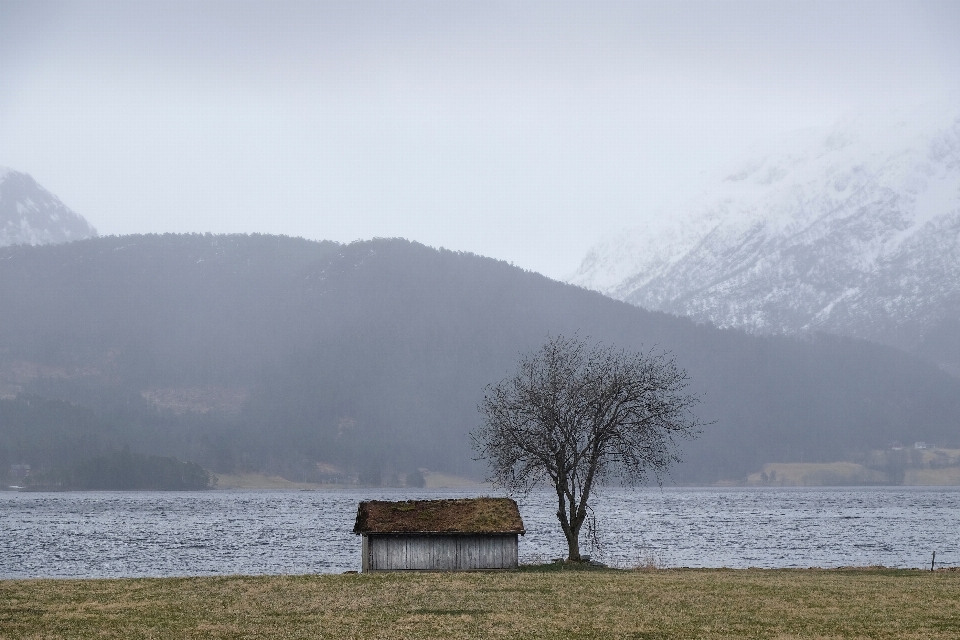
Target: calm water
{"type": "Point", "coordinates": [104, 534]}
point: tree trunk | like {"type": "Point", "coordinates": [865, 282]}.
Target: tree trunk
{"type": "Point", "coordinates": [571, 529]}
{"type": "Point", "coordinates": [573, 546]}
{"type": "Point", "coordinates": [567, 516]}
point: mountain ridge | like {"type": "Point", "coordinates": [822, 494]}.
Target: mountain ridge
{"type": "Point", "coordinates": [853, 230]}
{"type": "Point", "coordinates": [29, 214]}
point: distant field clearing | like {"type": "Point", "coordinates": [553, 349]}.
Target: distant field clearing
{"type": "Point", "coordinates": [810, 474]}
{"type": "Point", "coordinates": [433, 479]}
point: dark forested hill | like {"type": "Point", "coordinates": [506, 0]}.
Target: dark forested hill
{"type": "Point", "coordinates": [271, 353]}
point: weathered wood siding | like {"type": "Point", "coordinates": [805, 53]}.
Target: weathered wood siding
{"type": "Point", "coordinates": [413, 552]}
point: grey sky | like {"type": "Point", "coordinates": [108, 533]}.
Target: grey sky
{"type": "Point", "coordinates": [518, 130]}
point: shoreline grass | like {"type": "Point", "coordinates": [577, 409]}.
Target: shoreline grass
{"type": "Point", "coordinates": [531, 603]}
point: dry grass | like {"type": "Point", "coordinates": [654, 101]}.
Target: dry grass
{"type": "Point", "coordinates": [529, 604]}
{"type": "Point", "coordinates": [946, 477]}
{"type": "Point", "coordinates": [925, 467]}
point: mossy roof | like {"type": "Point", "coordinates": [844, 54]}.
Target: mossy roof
{"type": "Point", "coordinates": [464, 515]}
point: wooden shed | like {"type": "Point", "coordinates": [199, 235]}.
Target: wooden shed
{"type": "Point", "coordinates": [439, 535]}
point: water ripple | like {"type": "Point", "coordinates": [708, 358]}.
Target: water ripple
{"type": "Point", "coordinates": [105, 534]}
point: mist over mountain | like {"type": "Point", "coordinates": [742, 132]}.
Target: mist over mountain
{"type": "Point", "coordinates": [854, 230]}
{"type": "Point", "coordinates": [273, 354]}
{"type": "Point", "coordinates": [29, 214]}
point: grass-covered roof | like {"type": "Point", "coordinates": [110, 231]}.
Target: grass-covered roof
{"type": "Point", "coordinates": [465, 515]}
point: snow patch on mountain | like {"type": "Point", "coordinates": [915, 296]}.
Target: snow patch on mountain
{"type": "Point", "coordinates": [853, 230]}
{"type": "Point", "coordinates": [29, 214]}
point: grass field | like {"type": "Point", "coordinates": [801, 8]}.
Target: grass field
{"type": "Point", "coordinates": [869, 603]}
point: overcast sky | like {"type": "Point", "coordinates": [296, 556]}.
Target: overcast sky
{"type": "Point", "coordinates": [519, 130]}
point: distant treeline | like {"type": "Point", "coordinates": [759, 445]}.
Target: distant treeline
{"type": "Point", "coordinates": [125, 471]}
{"type": "Point", "coordinates": [372, 358]}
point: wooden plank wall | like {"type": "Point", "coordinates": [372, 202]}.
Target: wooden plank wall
{"type": "Point", "coordinates": [439, 553]}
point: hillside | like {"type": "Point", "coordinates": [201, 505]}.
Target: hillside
{"type": "Point", "coordinates": [271, 354]}
{"type": "Point", "coordinates": [852, 230]}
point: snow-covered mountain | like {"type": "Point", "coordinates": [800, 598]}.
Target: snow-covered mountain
{"type": "Point", "coordinates": [853, 230]}
{"type": "Point", "coordinates": [29, 214]}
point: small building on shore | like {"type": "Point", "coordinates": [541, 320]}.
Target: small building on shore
{"type": "Point", "coordinates": [467, 534]}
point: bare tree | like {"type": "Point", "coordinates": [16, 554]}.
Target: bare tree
{"type": "Point", "coordinates": [575, 416]}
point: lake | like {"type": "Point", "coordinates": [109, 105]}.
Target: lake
{"type": "Point", "coordinates": [127, 534]}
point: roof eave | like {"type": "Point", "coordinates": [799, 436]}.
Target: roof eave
{"type": "Point", "coordinates": [521, 532]}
